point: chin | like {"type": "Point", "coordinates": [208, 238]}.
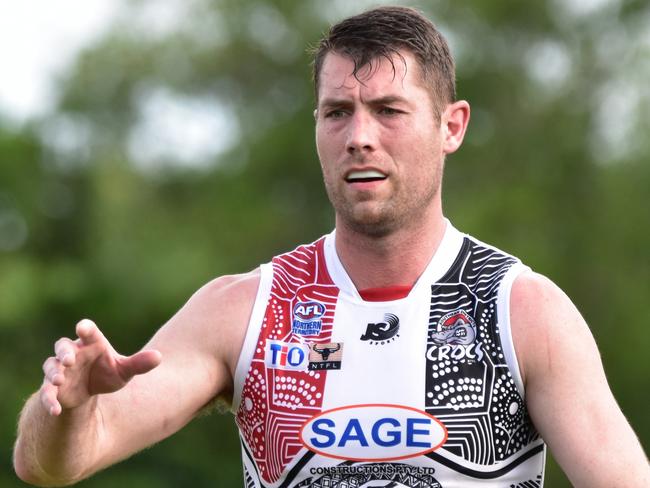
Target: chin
{"type": "Point", "coordinates": [371, 224]}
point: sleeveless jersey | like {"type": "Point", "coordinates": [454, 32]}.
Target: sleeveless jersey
{"type": "Point", "coordinates": [422, 391]}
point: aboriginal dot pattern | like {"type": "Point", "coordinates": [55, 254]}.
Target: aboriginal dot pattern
{"type": "Point", "coordinates": [473, 377]}
{"type": "Point", "coordinates": [276, 402]}
{"type": "Point", "coordinates": [467, 382]}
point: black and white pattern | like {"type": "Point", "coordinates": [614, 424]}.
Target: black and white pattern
{"type": "Point", "coordinates": [536, 483]}
{"type": "Point", "coordinates": [249, 482]}
{"type": "Point", "coordinates": [470, 387]}
{"type": "Point", "coordinates": [442, 355]}
{"type": "Point", "coordinates": [387, 475]}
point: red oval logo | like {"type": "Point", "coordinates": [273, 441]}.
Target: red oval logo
{"type": "Point", "coordinates": [373, 432]}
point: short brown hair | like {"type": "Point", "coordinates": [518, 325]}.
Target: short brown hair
{"type": "Point", "coordinates": [381, 33]}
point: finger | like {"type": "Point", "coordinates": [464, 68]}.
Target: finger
{"type": "Point", "coordinates": [65, 351]}
{"type": "Point", "coordinates": [49, 399]}
{"type": "Point", "coordinates": [139, 363]}
{"type": "Point", "coordinates": [88, 332]}
{"type": "Point", "coordinates": [53, 370]}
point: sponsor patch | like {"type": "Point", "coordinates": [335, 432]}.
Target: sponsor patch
{"type": "Point", "coordinates": [394, 475]}
{"type": "Point", "coordinates": [285, 355]}
{"type": "Point", "coordinates": [307, 318]}
{"type": "Point", "coordinates": [373, 432]}
{"type": "Point", "coordinates": [456, 327]}
{"type": "Point", "coordinates": [382, 332]}
{"type": "Point", "coordinates": [455, 338]}
{"type": "Point", "coordinates": [325, 356]}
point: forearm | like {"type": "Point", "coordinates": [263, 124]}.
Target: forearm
{"type": "Point", "coordinates": [57, 450]}
{"type": "Point", "coordinates": [617, 461]}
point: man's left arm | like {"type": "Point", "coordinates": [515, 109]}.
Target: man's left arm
{"type": "Point", "coordinates": [567, 393]}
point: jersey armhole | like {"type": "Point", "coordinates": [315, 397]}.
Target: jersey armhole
{"type": "Point", "coordinates": [504, 326]}
{"type": "Point", "coordinates": [252, 333]}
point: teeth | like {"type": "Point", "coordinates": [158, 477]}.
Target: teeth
{"type": "Point", "coordinates": [361, 175]}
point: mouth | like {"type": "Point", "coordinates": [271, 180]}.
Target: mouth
{"type": "Point", "coordinates": [365, 176]}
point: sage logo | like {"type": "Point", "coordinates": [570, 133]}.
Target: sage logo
{"type": "Point", "coordinates": [373, 432]}
{"type": "Point", "coordinates": [382, 332]}
{"type": "Point", "coordinates": [306, 318]}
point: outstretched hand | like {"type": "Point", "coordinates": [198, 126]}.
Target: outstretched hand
{"type": "Point", "coordinates": [88, 366]}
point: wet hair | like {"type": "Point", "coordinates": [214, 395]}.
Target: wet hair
{"type": "Point", "coordinates": [382, 33]}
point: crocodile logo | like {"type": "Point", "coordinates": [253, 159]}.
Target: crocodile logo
{"type": "Point", "coordinates": [456, 327]}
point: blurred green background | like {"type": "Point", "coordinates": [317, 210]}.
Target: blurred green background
{"type": "Point", "coordinates": [181, 151]}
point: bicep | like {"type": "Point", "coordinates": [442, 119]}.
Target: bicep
{"type": "Point", "coordinates": [196, 347]}
{"type": "Point", "coordinates": [567, 393]}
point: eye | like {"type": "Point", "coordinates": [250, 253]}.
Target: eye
{"type": "Point", "coordinates": [389, 111]}
{"type": "Point", "coordinates": [335, 114]}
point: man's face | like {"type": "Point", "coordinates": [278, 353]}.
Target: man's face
{"type": "Point", "coordinates": [379, 143]}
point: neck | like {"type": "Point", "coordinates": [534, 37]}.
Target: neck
{"type": "Point", "coordinates": [398, 258]}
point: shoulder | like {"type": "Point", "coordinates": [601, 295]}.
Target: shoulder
{"type": "Point", "coordinates": [221, 296]}
{"type": "Point", "coordinates": [533, 293]}
{"type": "Point", "coordinates": [224, 305]}
{"type": "Point", "coordinates": [228, 303]}
{"type": "Point", "coordinates": [235, 290]}
{"type": "Point", "coordinates": [547, 328]}
{"type": "Point", "coordinates": [213, 322]}
{"type": "Point", "coordinates": [228, 296]}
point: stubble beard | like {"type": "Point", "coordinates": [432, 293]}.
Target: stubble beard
{"type": "Point", "coordinates": [382, 219]}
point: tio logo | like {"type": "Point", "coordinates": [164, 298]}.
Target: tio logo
{"type": "Point", "coordinates": [283, 355]}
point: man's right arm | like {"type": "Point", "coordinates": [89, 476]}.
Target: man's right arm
{"type": "Point", "coordinates": [567, 393]}
{"type": "Point", "coordinates": [96, 407]}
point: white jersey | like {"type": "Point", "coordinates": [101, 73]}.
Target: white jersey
{"type": "Point", "coordinates": [421, 391]}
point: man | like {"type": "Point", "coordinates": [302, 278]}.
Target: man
{"type": "Point", "coordinates": [395, 351]}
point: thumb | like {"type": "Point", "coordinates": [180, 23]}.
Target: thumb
{"type": "Point", "coordinates": [139, 363]}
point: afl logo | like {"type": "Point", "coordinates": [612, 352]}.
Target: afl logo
{"type": "Point", "coordinates": [373, 432]}
{"type": "Point", "coordinates": [306, 318]}
{"type": "Point", "coordinates": [308, 311]}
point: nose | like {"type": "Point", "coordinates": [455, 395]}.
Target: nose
{"type": "Point", "coordinates": [361, 133]}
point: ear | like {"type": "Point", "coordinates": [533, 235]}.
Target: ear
{"type": "Point", "coordinates": [454, 122]}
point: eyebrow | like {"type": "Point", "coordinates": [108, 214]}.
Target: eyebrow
{"type": "Point", "coordinates": [345, 102]}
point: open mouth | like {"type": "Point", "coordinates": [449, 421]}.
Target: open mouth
{"type": "Point", "coordinates": [365, 176]}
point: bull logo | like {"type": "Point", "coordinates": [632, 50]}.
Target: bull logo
{"type": "Point", "coordinates": [326, 351]}
{"type": "Point", "coordinates": [325, 356]}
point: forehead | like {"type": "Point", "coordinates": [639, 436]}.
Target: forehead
{"type": "Point", "coordinates": [379, 78]}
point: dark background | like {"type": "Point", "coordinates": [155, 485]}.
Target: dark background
{"type": "Point", "coordinates": [116, 205]}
